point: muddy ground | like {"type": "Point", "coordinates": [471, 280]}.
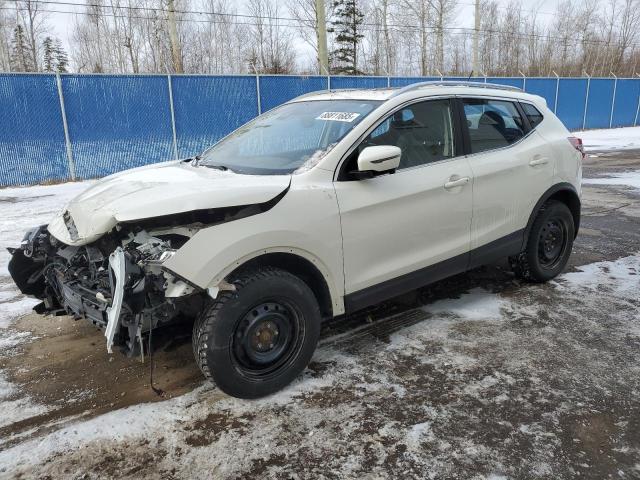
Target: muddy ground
{"type": "Point", "coordinates": [478, 376]}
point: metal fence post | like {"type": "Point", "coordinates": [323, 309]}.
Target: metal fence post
{"type": "Point", "coordinates": [613, 98]}
{"type": "Point", "coordinates": [586, 102]}
{"type": "Point", "coordinates": [524, 81]}
{"type": "Point", "coordinates": [328, 82]}
{"type": "Point", "coordinates": [258, 93]}
{"type": "Point", "coordinates": [555, 102]}
{"type": "Point", "coordinates": [65, 126]}
{"type": "Point", "coordinates": [173, 118]}
{"type": "Point", "coordinates": [635, 121]}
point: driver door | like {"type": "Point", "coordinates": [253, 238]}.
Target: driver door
{"type": "Point", "coordinates": [405, 229]}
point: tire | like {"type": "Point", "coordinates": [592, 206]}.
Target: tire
{"type": "Point", "coordinates": [549, 244]}
{"type": "Point", "coordinates": [255, 340]}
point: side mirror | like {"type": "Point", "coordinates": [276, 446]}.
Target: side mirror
{"type": "Point", "coordinates": [378, 159]}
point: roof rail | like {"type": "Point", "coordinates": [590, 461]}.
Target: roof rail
{"type": "Point", "coordinates": [326, 90]}
{"type": "Point", "coordinates": [454, 83]}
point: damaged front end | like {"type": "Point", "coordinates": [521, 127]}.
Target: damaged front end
{"type": "Point", "coordinates": [117, 282]}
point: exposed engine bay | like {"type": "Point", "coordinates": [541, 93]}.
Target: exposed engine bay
{"type": "Point", "coordinates": [117, 282]}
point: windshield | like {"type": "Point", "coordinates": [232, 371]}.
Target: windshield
{"type": "Point", "coordinates": [290, 137]}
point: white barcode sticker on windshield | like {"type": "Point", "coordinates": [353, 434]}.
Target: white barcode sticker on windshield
{"type": "Point", "coordinates": [338, 116]}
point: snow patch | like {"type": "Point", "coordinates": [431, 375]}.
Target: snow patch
{"type": "Point", "coordinates": [630, 179]}
{"type": "Point", "coordinates": [14, 407]}
{"type": "Point", "coordinates": [620, 277]}
{"type": "Point", "coordinates": [138, 420]}
{"type": "Point", "coordinates": [12, 340]}
{"type": "Point", "coordinates": [610, 139]}
{"type": "Point", "coordinates": [477, 304]}
{"type": "Point", "coordinates": [10, 311]}
{"type": "Point", "coordinates": [419, 433]}
{"type": "Point", "coordinates": [23, 208]}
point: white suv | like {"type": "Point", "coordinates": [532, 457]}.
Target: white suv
{"type": "Point", "coordinates": [325, 205]}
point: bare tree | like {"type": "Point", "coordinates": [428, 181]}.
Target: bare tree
{"type": "Point", "coordinates": [395, 37]}
{"type": "Point", "coordinates": [420, 11]}
{"type": "Point", "coordinates": [272, 51]}
{"type": "Point", "coordinates": [443, 11]}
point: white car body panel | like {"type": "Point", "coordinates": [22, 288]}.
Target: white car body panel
{"type": "Point", "coordinates": [387, 222]}
{"type": "Point", "coordinates": [153, 191]}
{"type": "Point", "coordinates": [521, 173]}
{"type": "Point", "coordinates": [305, 222]}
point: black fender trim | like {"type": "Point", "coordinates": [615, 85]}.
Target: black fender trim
{"type": "Point", "coordinates": [496, 250]}
{"type": "Point", "coordinates": [554, 190]}
{"type": "Point", "coordinates": [209, 216]}
{"type": "Point", "coordinates": [405, 283]}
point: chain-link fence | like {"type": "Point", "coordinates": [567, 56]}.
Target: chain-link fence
{"type": "Point", "coordinates": [61, 127]}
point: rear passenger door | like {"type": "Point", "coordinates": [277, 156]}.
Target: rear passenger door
{"type": "Point", "coordinates": [512, 167]}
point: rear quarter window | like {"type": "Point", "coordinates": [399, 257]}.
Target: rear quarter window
{"type": "Point", "coordinates": [492, 123]}
{"type": "Point", "coordinates": [533, 114]}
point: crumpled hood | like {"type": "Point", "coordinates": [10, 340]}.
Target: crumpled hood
{"type": "Point", "coordinates": [158, 190]}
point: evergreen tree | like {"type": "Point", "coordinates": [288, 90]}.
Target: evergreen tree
{"type": "Point", "coordinates": [346, 24]}
{"type": "Point", "coordinates": [48, 62]}
{"type": "Point", "coordinates": [19, 58]}
{"type": "Point", "coordinates": [61, 58]}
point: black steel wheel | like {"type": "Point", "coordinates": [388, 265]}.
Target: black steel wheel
{"type": "Point", "coordinates": [549, 244]}
{"type": "Point", "coordinates": [255, 340]}
{"type": "Point", "coordinates": [552, 242]}
{"type": "Point", "coordinates": [267, 337]}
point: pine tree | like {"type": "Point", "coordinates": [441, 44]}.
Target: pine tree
{"type": "Point", "coordinates": [19, 58]}
{"type": "Point", "coordinates": [48, 62]}
{"type": "Point", "coordinates": [346, 23]}
{"type": "Point", "coordinates": [62, 61]}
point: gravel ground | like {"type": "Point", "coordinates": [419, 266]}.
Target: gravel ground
{"type": "Point", "coordinates": [479, 376]}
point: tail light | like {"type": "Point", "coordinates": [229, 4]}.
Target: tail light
{"type": "Point", "coordinates": [577, 144]}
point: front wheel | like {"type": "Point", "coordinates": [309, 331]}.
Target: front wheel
{"type": "Point", "coordinates": [549, 244]}
{"type": "Point", "coordinates": [255, 340]}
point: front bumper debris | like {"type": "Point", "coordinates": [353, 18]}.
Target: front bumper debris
{"type": "Point", "coordinates": [117, 266]}
{"type": "Point", "coordinates": [116, 283]}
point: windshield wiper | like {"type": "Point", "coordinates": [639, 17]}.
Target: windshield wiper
{"type": "Point", "coordinates": [195, 161]}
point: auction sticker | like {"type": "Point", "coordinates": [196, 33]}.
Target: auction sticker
{"type": "Point", "coordinates": [338, 116]}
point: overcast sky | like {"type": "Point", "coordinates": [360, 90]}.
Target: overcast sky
{"type": "Point", "coordinates": [62, 23]}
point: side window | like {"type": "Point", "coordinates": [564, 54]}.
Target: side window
{"type": "Point", "coordinates": [533, 114]}
{"type": "Point", "coordinates": [492, 123]}
{"type": "Point", "coordinates": [423, 131]}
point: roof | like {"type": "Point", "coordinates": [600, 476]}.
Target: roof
{"type": "Point", "coordinates": [430, 88]}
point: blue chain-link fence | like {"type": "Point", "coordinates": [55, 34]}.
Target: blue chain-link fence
{"type": "Point", "coordinates": [56, 128]}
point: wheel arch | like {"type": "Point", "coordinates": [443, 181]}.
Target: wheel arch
{"type": "Point", "coordinates": [563, 192]}
{"type": "Point", "coordinates": [304, 268]}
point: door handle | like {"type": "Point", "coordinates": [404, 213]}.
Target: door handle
{"type": "Point", "coordinates": [539, 161]}
{"type": "Point", "coordinates": [456, 183]}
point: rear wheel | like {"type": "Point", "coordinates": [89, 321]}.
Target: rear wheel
{"type": "Point", "coordinates": [549, 244]}
{"type": "Point", "coordinates": [257, 339]}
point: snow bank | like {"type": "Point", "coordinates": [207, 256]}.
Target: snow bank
{"type": "Point", "coordinates": [26, 207]}
{"type": "Point", "coordinates": [610, 139]}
